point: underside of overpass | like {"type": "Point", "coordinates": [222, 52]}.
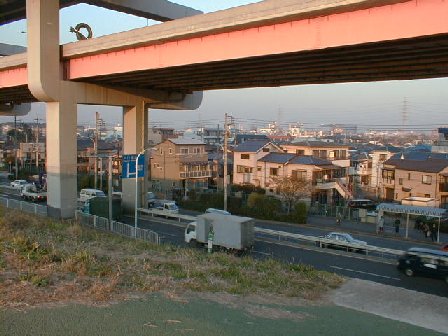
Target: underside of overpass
{"type": "Point", "coordinates": [260, 45]}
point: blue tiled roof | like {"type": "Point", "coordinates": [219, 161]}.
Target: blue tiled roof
{"type": "Point", "coordinates": [251, 146]}
{"type": "Point", "coordinates": [310, 160]}
{"type": "Point", "coordinates": [277, 157]}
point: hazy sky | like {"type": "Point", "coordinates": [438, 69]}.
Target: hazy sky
{"type": "Point", "coordinates": [419, 104]}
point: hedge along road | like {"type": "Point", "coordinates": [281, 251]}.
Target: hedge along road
{"type": "Point", "coordinates": [159, 315]}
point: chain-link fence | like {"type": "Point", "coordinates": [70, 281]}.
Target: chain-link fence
{"type": "Point", "coordinates": [123, 229]}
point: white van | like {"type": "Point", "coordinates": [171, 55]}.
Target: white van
{"type": "Point", "coordinates": [86, 194]}
{"type": "Point", "coordinates": [167, 206]}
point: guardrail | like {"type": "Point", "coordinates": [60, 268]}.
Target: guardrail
{"type": "Point", "coordinates": [101, 223]}
{"type": "Point", "coordinates": [163, 213]}
{"type": "Point", "coordinates": [319, 241]}
{"type": "Point", "coordinates": [33, 208]}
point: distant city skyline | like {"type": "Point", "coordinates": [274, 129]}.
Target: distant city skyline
{"type": "Point", "coordinates": [419, 104]}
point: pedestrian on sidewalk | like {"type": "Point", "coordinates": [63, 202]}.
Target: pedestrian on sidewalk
{"type": "Point", "coordinates": [433, 233]}
{"type": "Point", "coordinates": [380, 225]}
{"type": "Point", "coordinates": [425, 230]}
{"type": "Point", "coordinates": [397, 226]}
{"type": "Point", "coordinates": [338, 219]}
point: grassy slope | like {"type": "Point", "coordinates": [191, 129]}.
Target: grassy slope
{"type": "Point", "coordinates": [44, 261]}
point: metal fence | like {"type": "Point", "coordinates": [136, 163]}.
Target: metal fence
{"type": "Point", "coordinates": [332, 211]}
{"type": "Point", "coordinates": [33, 208]}
{"type": "Point", "coordinates": [123, 229]}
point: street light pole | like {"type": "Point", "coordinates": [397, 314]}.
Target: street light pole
{"type": "Point", "coordinates": [136, 189]}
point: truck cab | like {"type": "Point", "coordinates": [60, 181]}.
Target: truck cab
{"type": "Point", "coordinates": [190, 233]}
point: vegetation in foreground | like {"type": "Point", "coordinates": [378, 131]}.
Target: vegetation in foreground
{"type": "Point", "coordinates": [47, 261]}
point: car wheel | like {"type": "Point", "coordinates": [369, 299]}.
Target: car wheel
{"type": "Point", "coordinates": [409, 272]}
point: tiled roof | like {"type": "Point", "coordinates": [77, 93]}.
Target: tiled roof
{"type": "Point", "coordinates": [429, 165]}
{"type": "Point", "coordinates": [277, 157]}
{"type": "Point", "coordinates": [251, 146]}
{"type": "Point", "coordinates": [309, 160]}
{"type": "Point", "coordinates": [313, 143]}
{"type": "Point", "coordinates": [184, 141]}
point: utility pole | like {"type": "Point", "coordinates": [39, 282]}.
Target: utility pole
{"type": "Point", "coordinates": [37, 143]}
{"type": "Point", "coordinates": [15, 148]}
{"type": "Point", "coordinates": [226, 139]}
{"type": "Point", "coordinates": [95, 149]}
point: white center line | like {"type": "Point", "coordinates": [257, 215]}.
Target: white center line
{"type": "Point", "coordinates": [367, 273]}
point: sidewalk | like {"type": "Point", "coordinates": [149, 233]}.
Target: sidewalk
{"type": "Point", "coordinates": [370, 228]}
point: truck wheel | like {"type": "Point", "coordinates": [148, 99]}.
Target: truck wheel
{"type": "Point", "coordinates": [409, 272]}
{"type": "Point", "coordinates": [193, 243]}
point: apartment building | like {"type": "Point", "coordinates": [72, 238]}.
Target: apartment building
{"type": "Point", "coordinates": [403, 178]}
{"type": "Point", "coordinates": [245, 160]}
{"type": "Point", "coordinates": [180, 164]}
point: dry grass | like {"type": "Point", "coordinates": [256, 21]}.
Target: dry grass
{"type": "Point", "coordinates": [47, 261]}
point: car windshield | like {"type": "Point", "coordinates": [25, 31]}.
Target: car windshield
{"type": "Point", "coordinates": [100, 193]}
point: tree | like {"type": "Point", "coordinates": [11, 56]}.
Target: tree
{"type": "Point", "coordinates": [292, 189]}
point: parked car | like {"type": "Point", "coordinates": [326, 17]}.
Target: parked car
{"type": "Point", "coordinates": [444, 247]}
{"type": "Point", "coordinates": [341, 240]}
{"type": "Point", "coordinates": [219, 211]}
{"type": "Point", "coordinates": [362, 204]}
{"type": "Point", "coordinates": [86, 194]}
{"type": "Point", "coordinates": [18, 184]}
{"type": "Point", "coordinates": [423, 261]}
{"type": "Point", "coordinates": [151, 199]}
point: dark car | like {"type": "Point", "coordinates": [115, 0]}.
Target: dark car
{"type": "Point", "coordinates": [362, 204]}
{"type": "Point", "coordinates": [423, 261]}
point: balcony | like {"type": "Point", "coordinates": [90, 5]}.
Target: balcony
{"type": "Point", "coordinates": [196, 174]}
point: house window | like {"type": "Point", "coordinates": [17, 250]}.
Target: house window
{"type": "Point", "coordinates": [245, 156]}
{"type": "Point", "coordinates": [266, 149]}
{"type": "Point", "coordinates": [427, 195]}
{"type": "Point", "coordinates": [316, 153]}
{"type": "Point", "coordinates": [170, 151]}
{"type": "Point", "coordinates": [383, 157]}
{"type": "Point", "coordinates": [184, 150]}
{"type": "Point", "coordinates": [299, 175]}
{"type": "Point", "coordinates": [426, 179]}
{"type": "Point", "coordinates": [259, 168]}
{"type": "Point", "coordinates": [243, 169]}
{"type": "Point", "coordinates": [400, 181]}
{"type": "Point", "coordinates": [300, 152]}
{"type": "Point", "coordinates": [409, 176]}
{"type": "Point", "coordinates": [273, 171]}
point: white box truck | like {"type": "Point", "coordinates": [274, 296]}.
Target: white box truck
{"type": "Point", "coordinates": [226, 231]}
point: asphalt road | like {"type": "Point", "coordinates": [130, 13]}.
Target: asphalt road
{"type": "Point", "coordinates": [348, 264]}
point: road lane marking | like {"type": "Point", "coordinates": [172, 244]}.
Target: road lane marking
{"type": "Point", "coordinates": [367, 273]}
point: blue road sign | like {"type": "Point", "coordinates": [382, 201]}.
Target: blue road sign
{"type": "Point", "coordinates": [128, 166]}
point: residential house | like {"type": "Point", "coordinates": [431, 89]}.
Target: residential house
{"type": "Point", "coordinates": [335, 153]}
{"type": "Point", "coordinates": [180, 164]}
{"type": "Point", "coordinates": [157, 135]}
{"type": "Point", "coordinates": [409, 177]}
{"type": "Point", "coordinates": [322, 175]}
{"type": "Point", "coordinates": [31, 152]}
{"type": "Point", "coordinates": [245, 160]}
{"type": "Point", "coordinates": [379, 156]}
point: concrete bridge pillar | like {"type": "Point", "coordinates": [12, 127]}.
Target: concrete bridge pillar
{"type": "Point", "coordinates": [135, 141]}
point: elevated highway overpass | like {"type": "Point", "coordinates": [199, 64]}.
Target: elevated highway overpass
{"type": "Point", "coordinates": [271, 43]}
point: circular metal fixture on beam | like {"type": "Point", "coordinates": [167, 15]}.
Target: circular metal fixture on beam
{"type": "Point", "coordinates": [77, 31]}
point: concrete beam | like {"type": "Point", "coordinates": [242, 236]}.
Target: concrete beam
{"type": "Point", "coordinates": [11, 109]}
{"type": "Point", "coordinates": [159, 10]}
{"type": "Point", "coordinates": [10, 49]}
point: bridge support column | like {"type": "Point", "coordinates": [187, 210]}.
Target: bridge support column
{"type": "Point", "coordinates": [135, 141]}
{"type": "Point", "coordinates": [61, 159]}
